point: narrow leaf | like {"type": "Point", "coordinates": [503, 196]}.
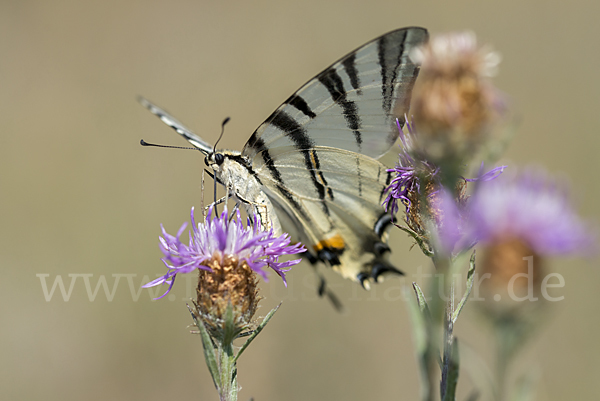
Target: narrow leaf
{"type": "Point", "coordinates": [209, 350]}
{"type": "Point", "coordinates": [470, 280]}
{"type": "Point", "coordinates": [425, 248]}
{"type": "Point", "coordinates": [255, 332]}
{"type": "Point", "coordinates": [421, 300]}
{"type": "Point", "coordinates": [420, 337]}
{"type": "Point", "coordinates": [427, 321]}
{"type": "Point", "coordinates": [416, 308]}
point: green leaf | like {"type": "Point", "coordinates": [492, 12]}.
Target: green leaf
{"type": "Point", "coordinates": [417, 308]}
{"type": "Point", "coordinates": [452, 375]}
{"type": "Point", "coordinates": [209, 350]}
{"type": "Point", "coordinates": [422, 301]}
{"type": "Point", "coordinates": [229, 328]}
{"type": "Point", "coordinates": [255, 332]}
{"type": "Point", "coordinates": [421, 325]}
{"type": "Point", "coordinates": [470, 280]}
{"type": "Point", "coordinates": [425, 248]}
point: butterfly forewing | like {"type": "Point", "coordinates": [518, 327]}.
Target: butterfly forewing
{"type": "Point", "coordinates": [172, 122]}
{"type": "Point", "coordinates": [351, 105]}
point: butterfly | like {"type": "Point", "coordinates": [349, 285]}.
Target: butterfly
{"type": "Point", "coordinates": [311, 168]}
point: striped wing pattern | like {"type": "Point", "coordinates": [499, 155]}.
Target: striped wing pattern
{"type": "Point", "coordinates": [316, 154]}
{"type": "Point", "coordinates": [176, 125]}
{"type": "Point", "coordinates": [343, 223]}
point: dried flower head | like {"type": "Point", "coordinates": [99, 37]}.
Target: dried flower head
{"type": "Point", "coordinates": [228, 255]}
{"type": "Point", "coordinates": [453, 102]}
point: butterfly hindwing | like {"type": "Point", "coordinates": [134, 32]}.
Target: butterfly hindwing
{"type": "Point", "coordinates": [338, 217]}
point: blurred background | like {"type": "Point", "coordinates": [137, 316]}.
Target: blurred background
{"type": "Point", "coordinates": [81, 197]}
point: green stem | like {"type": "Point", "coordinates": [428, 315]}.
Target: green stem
{"type": "Point", "coordinates": [443, 268]}
{"type": "Point", "coordinates": [431, 358]}
{"type": "Point", "coordinates": [228, 373]}
{"type": "Point", "coordinates": [448, 343]}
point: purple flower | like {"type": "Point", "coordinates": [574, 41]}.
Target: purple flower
{"type": "Point", "coordinates": [529, 207]}
{"type": "Point", "coordinates": [414, 174]}
{"type": "Point", "coordinates": [222, 240]}
{"type": "Point", "coordinates": [406, 182]}
{"type": "Point", "coordinates": [450, 221]}
{"type": "Point", "coordinates": [487, 176]}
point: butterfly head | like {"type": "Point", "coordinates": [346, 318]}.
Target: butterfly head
{"type": "Point", "coordinates": [214, 160]}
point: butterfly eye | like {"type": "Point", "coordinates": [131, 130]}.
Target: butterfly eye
{"type": "Point", "coordinates": [219, 158]}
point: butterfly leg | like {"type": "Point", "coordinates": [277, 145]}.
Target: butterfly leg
{"type": "Point", "coordinates": [234, 210]}
{"type": "Point", "coordinates": [217, 202]}
{"type": "Point", "coordinates": [324, 290]}
{"type": "Point", "coordinates": [262, 211]}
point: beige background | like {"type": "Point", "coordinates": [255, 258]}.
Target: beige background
{"type": "Point", "coordinates": [80, 196]}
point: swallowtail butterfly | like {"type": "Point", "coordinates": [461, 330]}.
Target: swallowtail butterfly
{"type": "Point", "coordinates": [311, 168]}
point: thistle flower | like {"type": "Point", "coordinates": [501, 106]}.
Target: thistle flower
{"type": "Point", "coordinates": [522, 220]}
{"type": "Point", "coordinates": [411, 173]}
{"type": "Point", "coordinates": [417, 185]}
{"type": "Point", "coordinates": [532, 208]}
{"type": "Point", "coordinates": [228, 255]}
{"type": "Point", "coordinates": [453, 102]}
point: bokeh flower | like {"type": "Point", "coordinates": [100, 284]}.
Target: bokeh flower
{"type": "Point", "coordinates": [521, 220]}
{"type": "Point", "coordinates": [454, 103]}
{"type": "Point", "coordinates": [533, 208]}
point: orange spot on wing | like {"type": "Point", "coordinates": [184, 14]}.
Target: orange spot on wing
{"type": "Point", "coordinates": [335, 242]}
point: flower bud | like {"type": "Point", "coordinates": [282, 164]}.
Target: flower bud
{"type": "Point", "coordinates": [454, 103]}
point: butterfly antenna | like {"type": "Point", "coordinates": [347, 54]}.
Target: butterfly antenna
{"type": "Point", "coordinates": [225, 121]}
{"type": "Point", "coordinates": [144, 143]}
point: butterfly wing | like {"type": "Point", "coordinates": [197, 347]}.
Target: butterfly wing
{"type": "Point", "coordinates": [346, 226]}
{"type": "Point", "coordinates": [181, 129]}
{"type": "Point", "coordinates": [315, 155]}
{"type": "Point", "coordinates": [352, 104]}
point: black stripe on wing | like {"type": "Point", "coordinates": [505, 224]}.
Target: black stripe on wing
{"type": "Point", "coordinates": [298, 134]}
{"type": "Point", "coordinates": [299, 103]}
{"type": "Point", "coordinates": [335, 85]}
{"type": "Point", "coordinates": [260, 147]}
{"type": "Point", "coordinates": [350, 67]}
{"type": "Point", "coordinates": [390, 58]}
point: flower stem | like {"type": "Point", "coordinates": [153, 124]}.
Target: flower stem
{"type": "Point", "coordinates": [228, 373]}
{"type": "Point", "coordinates": [444, 310]}
{"type": "Point", "coordinates": [448, 342]}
